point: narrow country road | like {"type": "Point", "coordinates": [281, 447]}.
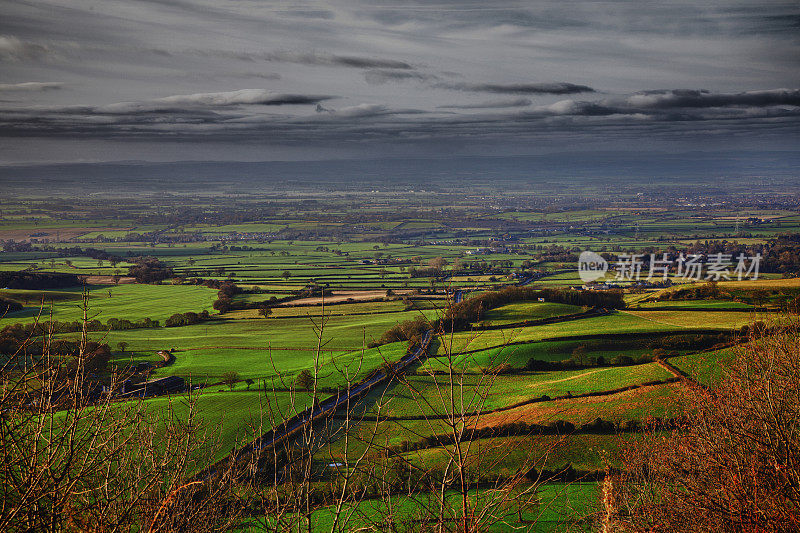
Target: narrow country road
{"type": "Point", "coordinates": [332, 404]}
{"type": "Point", "coordinates": [323, 409]}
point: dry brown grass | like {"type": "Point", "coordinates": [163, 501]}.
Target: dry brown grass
{"type": "Point", "coordinates": [343, 296]}
{"type": "Point", "coordinates": [621, 405]}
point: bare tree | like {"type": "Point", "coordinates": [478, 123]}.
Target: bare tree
{"type": "Point", "coordinates": [734, 465]}
{"type": "Point", "coordinates": [231, 378]}
{"type": "Point", "coordinates": [447, 497]}
{"type": "Point", "coordinates": [455, 495]}
{"type": "Point", "coordinates": [73, 458]}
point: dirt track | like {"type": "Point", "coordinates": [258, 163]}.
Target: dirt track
{"type": "Point", "coordinates": [343, 296]}
{"type": "Point", "coordinates": [108, 280]}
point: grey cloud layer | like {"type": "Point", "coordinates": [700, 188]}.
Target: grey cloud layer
{"type": "Point", "coordinates": [417, 70]}
{"type": "Point", "coordinates": [220, 99]}
{"type": "Point", "coordinates": [14, 49]}
{"type": "Point", "coordinates": [31, 86]}
{"type": "Point", "coordinates": [703, 98]}
{"type": "Point", "coordinates": [495, 104]}
{"type": "Point", "coordinates": [236, 115]}
{"type": "Point", "coordinates": [379, 77]}
{"type": "Point", "coordinates": [314, 58]}
{"type": "Point", "coordinates": [518, 88]}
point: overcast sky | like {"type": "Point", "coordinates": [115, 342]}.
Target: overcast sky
{"type": "Point", "coordinates": [260, 80]}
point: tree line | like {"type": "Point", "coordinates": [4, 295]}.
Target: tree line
{"type": "Point", "coordinates": [460, 316]}
{"type": "Point", "coordinates": [38, 280]}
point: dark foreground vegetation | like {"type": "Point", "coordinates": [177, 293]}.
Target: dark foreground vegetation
{"type": "Point", "coordinates": [734, 463]}
{"type": "Point", "coordinates": [70, 462]}
{"type": "Point", "coordinates": [147, 353]}
{"type": "Point", "coordinates": [461, 316]}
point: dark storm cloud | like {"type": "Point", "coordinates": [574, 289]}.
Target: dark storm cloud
{"type": "Point", "coordinates": [518, 88]}
{"type": "Point", "coordinates": [496, 104]}
{"type": "Point", "coordinates": [702, 98]}
{"type": "Point", "coordinates": [260, 75]}
{"type": "Point", "coordinates": [379, 77]}
{"type": "Point", "coordinates": [682, 105]}
{"type": "Point", "coordinates": [313, 59]}
{"type": "Point", "coordinates": [235, 115]}
{"type": "Point", "coordinates": [30, 86]}
{"type": "Point", "coordinates": [259, 97]}
{"type": "Point", "coordinates": [364, 111]}
{"type": "Point", "coordinates": [310, 13]}
{"type": "Point", "coordinates": [353, 61]}
{"type": "Point", "coordinates": [681, 18]}
{"type": "Point", "coordinates": [162, 117]}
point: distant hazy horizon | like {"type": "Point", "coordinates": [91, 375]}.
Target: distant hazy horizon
{"type": "Point", "coordinates": [774, 172]}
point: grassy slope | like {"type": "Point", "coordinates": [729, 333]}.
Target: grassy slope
{"type": "Point", "coordinates": [707, 367]}
{"type": "Point", "coordinates": [430, 394]}
{"type": "Point", "coordinates": [520, 311]}
{"type": "Point", "coordinates": [561, 506]}
{"type": "Point", "coordinates": [132, 302]}
{"type": "Point", "coordinates": [696, 319]}
{"type": "Point", "coordinates": [517, 355]}
{"type": "Point", "coordinates": [707, 304]}
{"type": "Point", "coordinates": [638, 404]}
{"type": "Point", "coordinates": [615, 323]}
{"type": "Point", "coordinates": [235, 417]}
{"type": "Point", "coordinates": [504, 455]}
{"type": "Point", "coordinates": [212, 348]}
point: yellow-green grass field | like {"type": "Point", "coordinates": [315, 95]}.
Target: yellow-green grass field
{"type": "Point", "coordinates": [705, 304]}
{"type": "Point", "coordinates": [562, 507]}
{"type": "Point", "coordinates": [706, 367]}
{"type": "Point", "coordinates": [518, 355]}
{"type": "Point", "coordinates": [698, 319]}
{"type": "Point", "coordinates": [635, 404]}
{"type": "Point", "coordinates": [130, 301]}
{"type": "Point", "coordinates": [521, 311]}
{"type": "Point", "coordinates": [639, 404]}
{"type": "Point", "coordinates": [504, 455]}
{"type": "Point", "coordinates": [618, 322]}
{"type": "Point", "coordinates": [426, 395]}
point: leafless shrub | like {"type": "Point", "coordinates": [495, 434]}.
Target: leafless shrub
{"type": "Point", "coordinates": [73, 459]}
{"type": "Point", "coordinates": [462, 491]}
{"type": "Point", "coordinates": [735, 464]}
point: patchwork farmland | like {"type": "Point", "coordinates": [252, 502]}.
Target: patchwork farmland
{"type": "Point", "coordinates": [528, 377]}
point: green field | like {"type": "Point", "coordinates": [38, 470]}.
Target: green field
{"type": "Point", "coordinates": [706, 367]}
{"type": "Point", "coordinates": [475, 392]}
{"type": "Point", "coordinates": [698, 319]}
{"type": "Point", "coordinates": [562, 507]}
{"type": "Point", "coordinates": [504, 455]}
{"type": "Point", "coordinates": [256, 348]}
{"type": "Point", "coordinates": [696, 304]}
{"type": "Point", "coordinates": [385, 258]}
{"type": "Point", "coordinates": [617, 323]}
{"type": "Point", "coordinates": [232, 418]}
{"type": "Point", "coordinates": [519, 312]}
{"type": "Point", "coordinates": [132, 302]}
